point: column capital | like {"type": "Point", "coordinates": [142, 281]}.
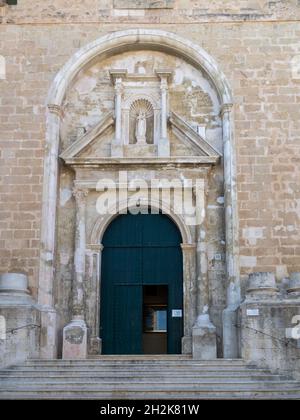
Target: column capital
{"type": "Point", "coordinates": [117, 75]}
{"type": "Point", "coordinates": [55, 109]}
{"type": "Point", "coordinates": [165, 75]}
{"type": "Point", "coordinates": [80, 193]}
{"type": "Point", "coordinates": [188, 247]}
{"type": "Point", "coordinates": [95, 248]}
{"type": "Point", "coordinates": [226, 108]}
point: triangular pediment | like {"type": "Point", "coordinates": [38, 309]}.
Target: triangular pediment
{"type": "Point", "coordinates": [87, 140]}
{"type": "Point", "coordinates": [187, 135]}
{"type": "Point", "coordinates": [94, 146]}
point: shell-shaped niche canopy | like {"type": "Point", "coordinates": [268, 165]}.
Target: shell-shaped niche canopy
{"type": "Point", "coordinates": [141, 105]}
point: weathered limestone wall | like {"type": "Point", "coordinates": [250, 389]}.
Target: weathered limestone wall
{"type": "Point", "coordinates": [256, 53]}
{"type": "Point", "coordinates": [163, 11]}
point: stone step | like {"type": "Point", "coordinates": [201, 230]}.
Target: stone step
{"type": "Point", "coordinates": [126, 371]}
{"type": "Point", "coordinates": [99, 362]}
{"type": "Point", "coordinates": [132, 375]}
{"type": "Point", "coordinates": [161, 395]}
{"type": "Point", "coordinates": [159, 357]}
{"type": "Point", "coordinates": [33, 381]}
{"type": "Point", "coordinates": [147, 391]}
{"type": "Point", "coordinates": [134, 378]}
{"type": "Point", "coordinates": [133, 364]}
{"type": "Point", "coordinates": [167, 383]}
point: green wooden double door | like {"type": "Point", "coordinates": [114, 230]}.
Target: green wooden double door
{"type": "Point", "coordinates": [140, 251]}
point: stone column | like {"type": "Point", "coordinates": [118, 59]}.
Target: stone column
{"type": "Point", "coordinates": [75, 333]}
{"type": "Point", "coordinates": [118, 109]}
{"type": "Point", "coordinates": [189, 294]}
{"type": "Point", "coordinates": [164, 90]}
{"type": "Point", "coordinates": [230, 331]}
{"type": "Point", "coordinates": [48, 347]}
{"type": "Point", "coordinates": [204, 332]}
{"type": "Point", "coordinates": [117, 145]}
{"type": "Point", "coordinates": [164, 144]}
{"type": "Point", "coordinates": [93, 270]}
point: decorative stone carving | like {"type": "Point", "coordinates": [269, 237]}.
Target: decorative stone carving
{"type": "Point", "coordinates": [75, 340]}
{"type": "Point", "coordinates": [141, 101]}
{"type": "Point", "coordinates": [141, 114]}
{"type": "Point", "coordinates": [140, 38]}
{"type": "Point", "coordinates": [141, 128]}
{"type": "Point", "coordinates": [55, 109]}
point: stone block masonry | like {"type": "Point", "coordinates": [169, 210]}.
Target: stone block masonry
{"type": "Point", "coordinates": [256, 57]}
{"type": "Point", "coordinates": [255, 43]}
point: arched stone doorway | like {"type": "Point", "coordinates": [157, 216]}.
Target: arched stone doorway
{"type": "Point", "coordinates": [141, 296]}
{"type": "Point", "coordinates": [74, 262]}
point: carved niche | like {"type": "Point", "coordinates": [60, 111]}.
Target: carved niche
{"type": "Point", "coordinates": [141, 113]}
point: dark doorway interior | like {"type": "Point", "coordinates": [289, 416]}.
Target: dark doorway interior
{"type": "Point", "coordinates": [155, 319]}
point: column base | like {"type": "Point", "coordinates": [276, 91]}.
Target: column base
{"type": "Point", "coordinates": [49, 321]}
{"type": "Point", "coordinates": [164, 148]}
{"type": "Point", "coordinates": [95, 345]}
{"type": "Point", "coordinates": [204, 339]}
{"type": "Point", "coordinates": [186, 344]}
{"type": "Point", "coordinates": [117, 150]}
{"type": "Point", "coordinates": [75, 340]}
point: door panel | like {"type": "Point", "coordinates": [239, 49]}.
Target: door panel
{"type": "Point", "coordinates": [138, 250]}
{"type": "Point", "coordinates": [119, 265]}
{"type": "Point", "coordinates": [128, 319]}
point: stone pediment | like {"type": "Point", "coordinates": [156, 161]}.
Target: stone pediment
{"type": "Point", "coordinates": [88, 138]}
{"type": "Point", "coordinates": [188, 135]}
{"type": "Point", "coordinates": [140, 129]}
{"type": "Point", "coordinates": [87, 149]}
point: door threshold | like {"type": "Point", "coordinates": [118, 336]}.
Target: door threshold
{"type": "Point", "coordinates": [141, 356]}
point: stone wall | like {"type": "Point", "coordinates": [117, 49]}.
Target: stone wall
{"type": "Point", "coordinates": [257, 49]}
{"type": "Point", "coordinates": [149, 11]}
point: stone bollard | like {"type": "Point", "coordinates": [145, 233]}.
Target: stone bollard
{"type": "Point", "coordinates": [294, 284]}
{"type": "Point", "coordinates": [14, 283]}
{"type": "Point", "coordinates": [14, 290]}
{"type": "Point", "coordinates": [261, 285]}
{"type": "Point", "coordinates": [22, 320]}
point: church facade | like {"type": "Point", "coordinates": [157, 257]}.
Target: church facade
{"type": "Point", "coordinates": [150, 180]}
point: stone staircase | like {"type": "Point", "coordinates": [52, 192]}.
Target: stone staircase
{"type": "Point", "coordinates": [143, 377]}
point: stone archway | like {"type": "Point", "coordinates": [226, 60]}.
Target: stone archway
{"type": "Point", "coordinates": [150, 257]}
{"type": "Point", "coordinates": [94, 253]}
{"type": "Point", "coordinates": [111, 44]}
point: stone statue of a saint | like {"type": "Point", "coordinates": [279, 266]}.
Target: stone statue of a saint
{"type": "Point", "coordinates": [141, 127]}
